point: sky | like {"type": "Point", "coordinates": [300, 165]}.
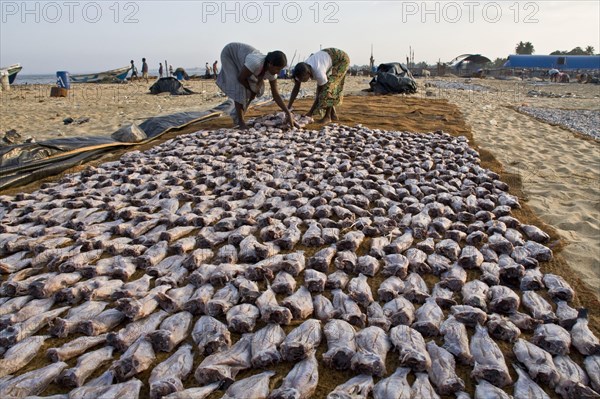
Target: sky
{"type": "Point", "coordinates": [92, 36]}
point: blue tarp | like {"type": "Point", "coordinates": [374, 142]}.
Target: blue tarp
{"type": "Point", "coordinates": [561, 62]}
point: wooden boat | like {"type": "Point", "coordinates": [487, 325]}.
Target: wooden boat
{"type": "Point", "coordinates": [109, 76]}
{"type": "Point", "coordinates": [12, 72]}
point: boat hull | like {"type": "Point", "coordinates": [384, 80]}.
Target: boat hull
{"type": "Point", "coordinates": [108, 76]}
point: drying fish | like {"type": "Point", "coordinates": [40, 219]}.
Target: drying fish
{"type": "Point", "coordinates": [265, 346]}
{"type": "Point", "coordinates": [573, 381]}
{"type": "Point", "coordinates": [172, 331]}
{"type": "Point", "coordinates": [592, 366]}
{"type": "Point", "coordinates": [509, 269]}
{"type": "Point", "coordinates": [74, 348]}
{"type": "Point", "coordinates": [399, 311]}
{"type": "Point", "coordinates": [567, 316]}
{"type": "Point", "coordinates": [264, 269]}
{"type": "Point", "coordinates": [500, 327]}
{"type": "Point", "coordinates": [443, 296]}
{"type": "Point", "coordinates": [558, 288]}
{"type": "Point", "coordinates": [539, 363]}
{"type": "Point", "coordinates": [226, 272]}
{"type": "Point", "coordinates": [18, 332]}
{"type": "Point", "coordinates": [470, 258]}
{"type": "Point", "coordinates": [395, 264]}
{"type": "Point", "coordinates": [552, 338]}
{"type": "Point", "coordinates": [301, 382]}
{"type": "Point", "coordinates": [270, 310]}
{"type": "Point", "coordinates": [582, 337]}
{"type": "Point", "coordinates": [429, 318]}
{"type": "Point", "coordinates": [372, 346]}
{"type": "Point", "coordinates": [197, 258]}
{"type": "Point", "coordinates": [490, 273]}
{"type": "Point", "coordinates": [167, 376]}
{"type": "Point", "coordinates": [223, 300]}
{"type": "Point", "coordinates": [301, 340]}
{"type": "Point", "coordinates": [469, 315]}
{"type": "Point", "coordinates": [415, 288]}
{"type": "Point", "coordinates": [31, 383]}
{"type": "Point", "coordinates": [351, 241]}
{"type": "Point", "coordinates": [502, 299]}
{"type": "Point", "coordinates": [524, 321]}
{"type": "Point", "coordinates": [442, 370]}
{"type": "Point", "coordinates": [357, 387]}
{"type": "Point", "coordinates": [377, 317]}
{"type": "Point", "coordinates": [63, 327]}
{"type": "Point", "coordinates": [400, 244]}
{"type": "Point", "coordinates": [485, 390]}
{"type": "Point", "coordinates": [489, 360]}
{"type": "Point", "coordinates": [196, 304]}
{"type": "Point", "coordinates": [134, 289]}
{"type": "Point", "coordinates": [377, 247]}
{"type": "Point", "coordinates": [255, 387]}
{"type": "Point", "coordinates": [456, 340]}
{"type": "Point", "coordinates": [46, 288]}
{"type": "Point", "coordinates": [224, 366]}
{"type": "Point", "coordinates": [395, 386]}
{"type": "Point", "coordinates": [136, 309]}
{"type": "Point", "coordinates": [367, 265]}
{"type": "Point", "coordinates": [323, 308]}
{"type": "Point", "coordinates": [475, 294]}
{"type": "Point", "coordinates": [242, 318]}
{"type": "Point", "coordinates": [211, 335]}
{"type": "Point", "coordinates": [348, 309]}
{"type": "Point", "coordinates": [321, 260]}
{"type": "Point", "coordinates": [19, 355]}
{"type": "Point", "coordinates": [137, 358]}
{"type": "Point", "coordinates": [314, 280]}
{"type": "Point", "coordinates": [411, 348]}
{"type": "Point", "coordinates": [359, 290]}
{"type": "Point", "coordinates": [337, 280]}
{"type": "Point", "coordinates": [454, 278]}
{"type": "Point", "coordinates": [87, 364]}
{"type": "Point", "coordinates": [174, 300]}
{"type": "Point", "coordinates": [341, 344]}
{"type": "Point", "coordinates": [195, 393]}
{"type": "Point", "coordinates": [422, 387]}
{"type": "Point", "coordinates": [283, 283]}
{"type": "Point", "coordinates": [532, 280]}
{"type": "Point", "coordinates": [538, 251]}
{"type": "Point", "coordinates": [390, 288]}
{"type": "Point", "coordinates": [539, 307]}
{"type": "Point", "coordinates": [31, 309]}
{"type": "Point", "coordinates": [525, 387]}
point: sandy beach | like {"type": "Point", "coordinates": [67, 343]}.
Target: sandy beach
{"type": "Point", "coordinates": [559, 169]}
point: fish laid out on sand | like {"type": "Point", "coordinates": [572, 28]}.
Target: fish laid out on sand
{"type": "Point", "coordinates": [246, 262]}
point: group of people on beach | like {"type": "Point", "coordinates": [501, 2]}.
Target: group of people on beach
{"type": "Point", "coordinates": [244, 70]}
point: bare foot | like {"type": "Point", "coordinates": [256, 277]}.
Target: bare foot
{"type": "Point", "coordinates": [325, 120]}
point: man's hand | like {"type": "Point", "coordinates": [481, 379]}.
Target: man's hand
{"type": "Point", "coordinates": [290, 120]}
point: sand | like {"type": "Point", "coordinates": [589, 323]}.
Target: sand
{"type": "Point", "coordinates": [557, 171]}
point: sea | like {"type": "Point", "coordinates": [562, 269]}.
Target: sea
{"type": "Point", "coordinates": [31, 79]}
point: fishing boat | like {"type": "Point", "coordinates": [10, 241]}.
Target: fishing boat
{"type": "Point", "coordinates": [109, 76]}
{"type": "Point", "coordinates": [12, 71]}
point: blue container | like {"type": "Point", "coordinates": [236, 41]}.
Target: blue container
{"type": "Point", "coordinates": [62, 79]}
{"type": "Point", "coordinates": [179, 75]}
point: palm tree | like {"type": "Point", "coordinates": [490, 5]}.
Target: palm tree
{"type": "Point", "coordinates": [524, 48]}
{"type": "Point", "coordinates": [590, 50]}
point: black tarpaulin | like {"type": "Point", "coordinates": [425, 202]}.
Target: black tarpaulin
{"type": "Point", "coordinates": [393, 78]}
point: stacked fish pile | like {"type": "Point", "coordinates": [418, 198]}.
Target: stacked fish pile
{"type": "Point", "coordinates": [278, 120]}
{"type": "Point", "coordinates": [334, 249]}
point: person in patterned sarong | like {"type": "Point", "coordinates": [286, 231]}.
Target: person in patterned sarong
{"type": "Point", "coordinates": [328, 67]}
{"type": "Point", "coordinates": [243, 72]}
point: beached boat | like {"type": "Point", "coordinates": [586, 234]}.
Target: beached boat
{"type": "Point", "coordinates": [12, 71]}
{"type": "Point", "coordinates": [108, 76]}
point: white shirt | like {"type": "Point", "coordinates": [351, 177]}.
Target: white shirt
{"type": "Point", "coordinates": [255, 63]}
{"type": "Point", "coordinates": [320, 62]}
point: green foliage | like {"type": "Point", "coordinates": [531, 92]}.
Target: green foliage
{"type": "Point", "coordinates": [524, 48]}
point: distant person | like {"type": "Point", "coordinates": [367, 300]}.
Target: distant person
{"type": "Point", "coordinates": [243, 72]}
{"type": "Point", "coordinates": [207, 71]}
{"type": "Point", "coordinates": [170, 70]}
{"type": "Point", "coordinates": [328, 67]}
{"type": "Point", "coordinates": [144, 69]}
{"type": "Point", "coordinates": [160, 70]}
{"type": "Point", "coordinates": [553, 73]}
{"type": "Point", "coordinates": [134, 74]}
{"type": "Point", "coordinates": [563, 77]}
{"type": "Point", "coordinates": [215, 69]}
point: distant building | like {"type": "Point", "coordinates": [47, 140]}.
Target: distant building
{"type": "Point", "coordinates": [561, 62]}
{"type": "Point", "coordinates": [468, 64]}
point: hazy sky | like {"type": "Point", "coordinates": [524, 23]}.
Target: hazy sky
{"type": "Point", "coordinates": [87, 36]}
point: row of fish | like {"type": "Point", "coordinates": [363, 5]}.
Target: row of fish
{"type": "Point", "coordinates": [211, 230]}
